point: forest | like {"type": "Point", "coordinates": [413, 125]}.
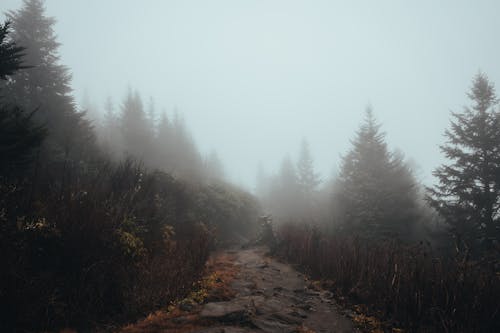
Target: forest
{"type": "Point", "coordinates": [109, 213]}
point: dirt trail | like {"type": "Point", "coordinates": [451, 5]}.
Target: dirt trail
{"type": "Point", "coordinates": [268, 296]}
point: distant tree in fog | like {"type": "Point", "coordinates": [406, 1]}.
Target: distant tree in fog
{"type": "Point", "coordinates": [137, 136]}
{"type": "Point", "coordinates": [287, 177]}
{"type": "Point", "coordinates": [91, 111]}
{"type": "Point", "coordinates": [110, 118]}
{"type": "Point", "coordinates": [307, 179]}
{"type": "Point", "coordinates": [376, 193]}
{"type": "Point", "coordinates": [214, 168]}
{"type": "Point", "coordinates": [284, 193]}
{"type": "Point", "coordinates": [151, 115]}
{"type": "Point", "coordinates": [308, 182]}
{"type": "Point", "coordinates": [164, 141]}
{"type": "Point", "coordinates": [262, 183]}
{"type": "Point", "coordinates": [109, 132]}
{"type": "Point", "coordinates": [468, 193]}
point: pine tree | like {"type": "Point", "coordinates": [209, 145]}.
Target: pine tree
{"type": "Point", "coordinates": [468, 193]}
{"type": "Point", "coordinates": [284, 196]}
{"type": "Point", "coordinates": [11, 55]}
{"type": "Point", "coordinates": [19, 136]}
{"type": "Point", "coordinates": [134, 127]}
{"type": "Point", "coordinates": [110, 118]}
{"type": "Point", "coordinates": [164, 142]}
{"type": "Point", "coordinates": [262, 185]}
{"type": "Point", "coordinates": [307, 179]}
{"type": "Point", "coordinates": [45, 86]}
{"type": "Point", "coordinates": [187, 161]}
{"type": "Point", "coordinates": [109, 131]}
{"type": "Point", "coordinates": [151, 115]}
{"type": "Point", "coordinates": [376, 193]}
{"type": "Point", "coordinates": [214, 168]}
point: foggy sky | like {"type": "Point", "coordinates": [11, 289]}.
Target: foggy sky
{"type": "Point", "coordinates": [254, 77]}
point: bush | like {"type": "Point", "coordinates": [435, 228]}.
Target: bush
{"type": "Point", "coordinates": [83, 244]}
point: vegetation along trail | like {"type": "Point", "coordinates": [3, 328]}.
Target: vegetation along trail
{"type": "Point", "coordinates": [266, 296]}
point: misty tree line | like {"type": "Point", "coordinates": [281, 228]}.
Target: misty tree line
{"type": "Point", "coordinates": [377, 196]}
{"type": "Point", "coordinates": [159, 141]}
{"type": "Point", "coordinates": [129, 130]}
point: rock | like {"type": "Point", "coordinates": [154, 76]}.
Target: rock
{"type": "Point", "coordinates": [268, 306]}
{"type": "Point", "coordinates": [187, 305]}
{"type": "Point", "coordinates": [235, 330]}
{"type": "Point", "coordinates": [263, 265]}
{"type": "Point", "coordinates": [272, 326]}
{"type": "Point", "coordinates": [223, 329]}
{"type": "Point", "coordinates": [286, 319]}
{"type": "Point", "coordinates": [211, 330]}
{"type": "Point", "coordinates": [181, 320]}
{"type": "Point", "coordinates": [225, 312]}
{"type": "Point", "coordinates": [298, 313]}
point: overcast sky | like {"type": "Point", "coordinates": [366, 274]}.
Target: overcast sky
{"type": "Point", "coordinates": [253, 77]}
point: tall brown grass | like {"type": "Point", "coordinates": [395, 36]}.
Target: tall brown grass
{"type": "Point", "coordinates": [411, 286]}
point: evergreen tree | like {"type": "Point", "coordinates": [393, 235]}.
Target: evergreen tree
{"type": "Point", "coordinates": [19, 136]}
{"type": "Point", "coordinates": [376, 192]}
{"type": "Point", "coordinates": [164, 142]}
{"type": "Point", "coordinates": [213, 167]}
{"type": "Point", "coordinates": [134, 127]}
{"type": "Point", "coordinates": [285, 197]}
{"type": "Point", "coordinates": [262, 183]}
{"type": "Point", "coordinates": [468, 193]}
{"type": "Point", "coordinates": [91, 111]}
{"type": "Point", "coordinates": [186, 159]}
{"type": "Point", "coordinates": [45, 86]}
{"type": "Point", "coordinates": [10, 53]}
{"type": "Point", "coordinates": [109, 131]}
{"type": "Point", "coordinates": [110, 118]}
{"type": "Point", "coordinates": [164, 129]}
{"type": "Point", "coordinates": [307, 179]}
{"type": "Point", "coordinates": [151, 115]}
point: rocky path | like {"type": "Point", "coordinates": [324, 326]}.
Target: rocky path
{"type": "Point", "coordinates": [268, 296]}
{"type": "Point", "coordinates": [273, 297]}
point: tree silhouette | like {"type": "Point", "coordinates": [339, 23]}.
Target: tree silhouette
{"type": "Point", "coordinates": [19, 136]}
{"type": "Point", "coordinates": [307, 179]}
{"type": "Point", "coordinates": [45, 86]}
{"type": "Point", "coordinates": [468, 193]}
{"type": "Point", "coordinates": [376, 192]}
{"type": "Point", "coordinates": [11, 55]}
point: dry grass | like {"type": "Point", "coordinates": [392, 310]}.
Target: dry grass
{"type": "Point", "coordinates": [214, 286]}
{"type": "Point", "coordinates": [408, 286]}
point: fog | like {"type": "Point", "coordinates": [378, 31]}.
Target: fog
{"type": "Point", "coordinates": [270, 166]}
{"type": "Point", "coordinates": [253, 78]}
